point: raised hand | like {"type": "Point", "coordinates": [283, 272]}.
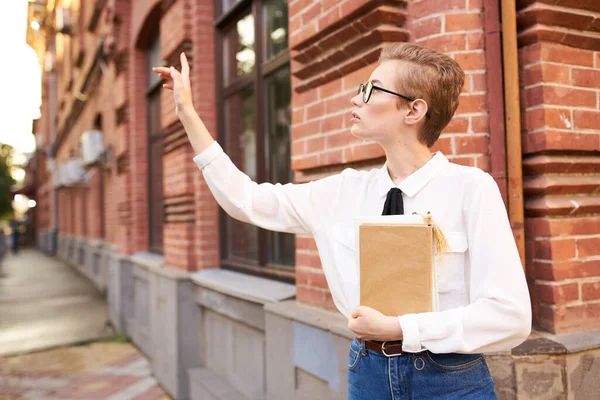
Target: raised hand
{"type": "Point", "coordinates": [179, 83]}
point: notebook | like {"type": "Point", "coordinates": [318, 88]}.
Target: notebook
{"type": "Point", "coordinates": [396, 264]}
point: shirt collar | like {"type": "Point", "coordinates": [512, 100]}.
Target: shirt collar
{"type": "Point", "coordinates": [414, 182]}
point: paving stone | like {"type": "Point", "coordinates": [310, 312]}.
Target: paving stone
{"type": "Point", "coordinates": [134, 390]}
{"type": "Point", "coordinates": [11, 391]}
{"type": "Point", "coordinates": [42, 383]}
{"type": "Point", "coordinates": [127, 360]}
{"type": "Point", "coordinates": [38, 394]}
{"type": "Point", "coordinates": [96, 371]}
{"type": "Point", "coordinates": [156, 393]}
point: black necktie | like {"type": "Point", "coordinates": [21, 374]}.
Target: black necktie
{"type": "Point", "coordinates": [394, 205]}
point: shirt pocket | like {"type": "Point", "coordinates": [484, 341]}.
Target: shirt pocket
{"type": "Point", "coordinates": [344, 236]}
{"type": "Point", "coordinates": [451, 269]}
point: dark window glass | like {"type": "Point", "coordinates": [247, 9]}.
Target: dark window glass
{"type": "Point", "coordinates": [155, 152]}
{"type": "Point", "coordinates": [282, 246]}
{"type": "Point", "coordinates": [152, 60]}
{"type": "Point", "coordinates": [227, 4]}
{"type": "Point", "coordinates": [238, 50]}
{"type": "Point", "coordinates": [242, 238]}
{"type": "Point", "coordinates": [276, 27]}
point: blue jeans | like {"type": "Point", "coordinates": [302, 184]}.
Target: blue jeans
{"type": "Point", "coordinates": [416, 376]}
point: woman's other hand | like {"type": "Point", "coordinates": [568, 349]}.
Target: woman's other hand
{"type": "Point", "coordinates": [370, 324]}
{"type": "Point", "coordinates": [179, 83]}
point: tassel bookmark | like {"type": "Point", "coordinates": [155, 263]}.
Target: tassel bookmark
{"type": "Point", "coordinates": [441, 243]}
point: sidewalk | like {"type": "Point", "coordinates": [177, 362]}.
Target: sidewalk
{"type": "Point", "coordinates": [45, 303]}
{"type": "Point", "coordinates": [108, 371]}
{"type": "Point", "coordinates": [46, 309]}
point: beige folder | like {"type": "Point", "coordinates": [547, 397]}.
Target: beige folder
{"type": "Point", "coordinates": [396, 266]}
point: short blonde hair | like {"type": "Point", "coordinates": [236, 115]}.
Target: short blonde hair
{"type": "Point", "coordinates": [431, 76]}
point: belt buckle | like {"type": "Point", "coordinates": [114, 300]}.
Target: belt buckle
{"type": "Point", "coordinates": [390, 355]}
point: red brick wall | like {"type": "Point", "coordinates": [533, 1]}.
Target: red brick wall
{"type": "Point", "coordinates": [79, 209]}
{"type": "Point", "coordinates": [61, 223]}
{"type": "Point", "coordinates": [178, 229]}
{"type": "Point", "coordinates": [206, 224]}
{"type": "Point", "coordinates": [93, 213]}
{"type": "Point", "coordinates": [561, 120]}
{"type": "Point", "coordinates": [178, 170]}
{"type": "Point", "coordinates": [118, 188]}
{"type": "Point", "coordinates": [456, 28]}
{"type": "Point", "coordinates": [119, 98]}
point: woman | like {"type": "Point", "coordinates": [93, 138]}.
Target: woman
{"type": "Point", "coordinates": [483, 297]}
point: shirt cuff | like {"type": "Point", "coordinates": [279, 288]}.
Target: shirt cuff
{"type": "Point", "coordinates": [411, 338]}
{"type": "Point", "coordinates": [208, 155]}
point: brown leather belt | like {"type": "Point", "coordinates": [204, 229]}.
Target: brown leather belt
{"type": "Point", "coordinates": [391, 348]}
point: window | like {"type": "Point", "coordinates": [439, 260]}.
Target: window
{"type": "Point", "coordinates": [254, 110]}
{"type": "Point", "coordinates": [155, 150]}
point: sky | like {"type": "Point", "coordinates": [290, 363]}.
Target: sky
{"type": "Point", "coordinates": [20, 90]}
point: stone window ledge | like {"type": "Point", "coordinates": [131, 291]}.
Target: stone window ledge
{"type": "Point", "coordinates": [547, 343]}
{"type": "Point", "coordinates": [109, 247]}
{"type": "Point", "coordinates": [95, 243]}
{"type": "Point", "coordinates": [148, 260]}
{"type": "Point", "coordinates": [250, 288]}
{"type": "Point", "coordinates": [156, 264]}
{"type": "Point", "coordinates": [319, 318]}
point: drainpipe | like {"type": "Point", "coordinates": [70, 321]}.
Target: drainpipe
{"type": "Point", "coordinates": [54, 197]}
{"type": "Point", "coordinates": [512, 120]}
{"type": "Point", "coordinates": [493, 60]}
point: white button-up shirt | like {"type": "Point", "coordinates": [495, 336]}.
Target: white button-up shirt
{"type": "Point", "coordinates": [484, 303]}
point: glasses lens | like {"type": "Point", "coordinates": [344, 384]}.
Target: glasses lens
{"type": "Point", "coordinates": [361, 88]}
{"type": "Point", "coordinates": [367, 92]}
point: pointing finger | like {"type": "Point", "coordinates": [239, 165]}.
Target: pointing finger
{"type": "Point", "coordinates": [185, 67]}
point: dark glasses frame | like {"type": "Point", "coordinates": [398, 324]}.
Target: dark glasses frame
{"type": "Point", "coordinates": [367, 90]}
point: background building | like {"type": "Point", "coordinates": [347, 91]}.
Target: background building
{"type": "Point", "coordinates": [228, 309]}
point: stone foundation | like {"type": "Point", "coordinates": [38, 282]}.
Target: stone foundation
{"type": "Point", "coordinates": [219, 334]}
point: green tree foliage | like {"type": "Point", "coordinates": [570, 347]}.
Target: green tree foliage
{"type": "Point", "coordinates": [6, 180]}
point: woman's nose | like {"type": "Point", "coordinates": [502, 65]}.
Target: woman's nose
{"type": "Point", "coordinates": [356, 100]}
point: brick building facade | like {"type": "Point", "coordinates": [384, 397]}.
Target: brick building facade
{"type": "Point", "coordinates": [272, 81]}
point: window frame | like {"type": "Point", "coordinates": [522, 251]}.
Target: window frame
{"type": "Point", "coordinates": [153, 89]}
{"type": "Point", "coordinates": [257, 78]}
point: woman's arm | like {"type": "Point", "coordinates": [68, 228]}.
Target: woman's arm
{"type": "Point", "coordinates": [296, 208]}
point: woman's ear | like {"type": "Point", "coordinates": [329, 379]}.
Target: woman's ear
{"type": "Point", "coordinates": [417, 110]}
